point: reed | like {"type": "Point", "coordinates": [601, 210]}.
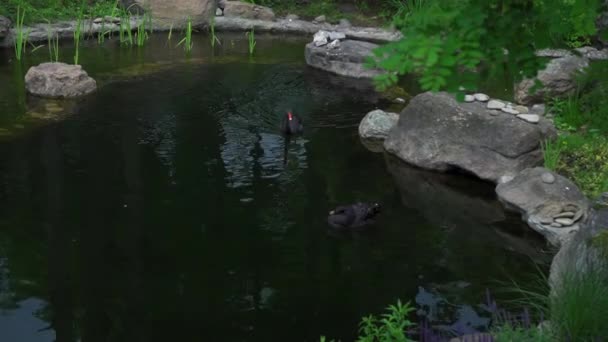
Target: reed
{"type": "Point", "coordinates": [251, 39]}
{"type": "Point", "coordinates": [187, 40]}
{"type": "Point", "coordinates": [22, 35]}
{"type": "Point", "coordinates": [170, 33]}
{"type": "Point", "coordinates": [53, 44]}
{"type": "Point", "coordinates": [142, 34]}
{"type": "Point", "coordinates": [214, 38]}
{"type": "Point", "coordinates": [125, 35]}
{"type": "Point", "coordinates": [78, 35]}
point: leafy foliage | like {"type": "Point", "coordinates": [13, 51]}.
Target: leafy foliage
{"type": "Point", "coordinates": [447, 42]}
{"type": "Point", "coordinates": [391, 327]}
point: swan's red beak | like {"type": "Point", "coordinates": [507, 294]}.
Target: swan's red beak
{"type": "Point", "coordinates": [289, 116]}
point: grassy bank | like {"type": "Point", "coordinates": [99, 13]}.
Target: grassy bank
{"type": "Point", "coordinates": [581, 150]}
{"type": "Point", "coordinates": [360, 12]}
{"type": "Point", "coordinates": [41, 11]}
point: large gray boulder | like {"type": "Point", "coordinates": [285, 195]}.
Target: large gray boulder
{"type": "Point", "coordinates": [551, 204]}
{"type": "Point", "coordinates": [347, 59]}
{"type": "Point", "coordinates": [436, 132]}
{"type": "Point", "coordinates": [5, 25]}
{"type": "Point", "coordinates": [247, 10]}
{"type": "Point", "coordinates": [59, 80]}
{"type": "Point", "coordinates": [586, 251]}
{"type": "Point", "coordinates": [376, 124]}
{"type": "Point", "coordinates": [177, 12]}
{"type": "Point", "coordinates": [558, 80]}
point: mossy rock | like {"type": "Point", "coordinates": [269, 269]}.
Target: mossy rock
{"type": "Point", "coordinates": [395, 92]}
{"type": "Point", "coordinates": [600, 241]}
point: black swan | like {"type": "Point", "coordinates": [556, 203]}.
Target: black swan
{"type": "Point", "coordinates": [221, 4]}
{"type": "Point", "coordinates": [354, 215]}
{"type": "Point", "coordinates": [291, 124]}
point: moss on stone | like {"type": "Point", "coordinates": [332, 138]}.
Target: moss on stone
{"type": "Point", "coordinates": [600, 241]}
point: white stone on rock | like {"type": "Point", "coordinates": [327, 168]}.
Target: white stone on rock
{"type": "Point", "coordinates": [509, 110]}
{"type": "Point", "coordinates": [564, 221]}
{"type": "Point", "coordinates": [469, 98]}
{"type": "Point", "coordinates": [320, 38]}
{"type": "Point", "coordinates": [481, 97]}
{"type": "Point", "coordinates": [495, 104]}
{"type": "Point", "coordinates": [334, 44]}
{"type": "Point", "coordinates": [333, 35]}
{"type": "Point", "coordinates": [522, 109]}
{"type": "Point", "coordinates": [548, 178]}
{"type": "Point", "coordinates": [531, 118]}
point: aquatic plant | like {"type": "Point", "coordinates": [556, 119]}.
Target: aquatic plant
{"type": "Point", "coordinates": [124, 33]}
{"type": "Point", "coordinates": [53, 44]}
{"type": "Point", "coordinates": [78, 35]}
{"type": "Point", "coordinates": [142, 29]}
{"type": "Point", "coordinates": [251, 39]}
{"type": "Point", "coordinates": [212, 30]}
{"type": "Point", "coordinates": [170, 33]}
{"type": "Point", "coordinates": [21, 34]}
{"type": "Point", "coordinates": [187, 40]}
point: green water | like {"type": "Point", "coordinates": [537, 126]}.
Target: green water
{"type": "Point", "coordinates": [165, 207]}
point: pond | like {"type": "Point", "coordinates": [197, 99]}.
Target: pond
{"type": "Point", "coordinates": [167, 207]}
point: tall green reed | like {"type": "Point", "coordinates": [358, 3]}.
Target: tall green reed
{"type": "Point", "coordinates": [214, 38]}
{"type": "Point", "coordinates": [142, 26]}
{"type": "Point", "coordinates": [251, 39]}
{"type": "Point", "coordinates": [125, 35]}
{"type": "Point", "coordinates": [78, 36]}
{"type": "Point", "coordinates": [53, 44]}
{"type": "Point", "coordinates": [187, 40]}
{"type": "Point", "coordinates": [21, 34]}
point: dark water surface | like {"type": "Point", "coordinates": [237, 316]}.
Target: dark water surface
{"type": "Point", "coordinates": [167, 207]}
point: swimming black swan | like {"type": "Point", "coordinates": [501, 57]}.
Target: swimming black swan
{"type": "Point", "coordinates": [291, 124]}
{"type": "Point", "coordinates": [354, 215]}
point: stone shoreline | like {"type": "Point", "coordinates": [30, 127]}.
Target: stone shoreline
{"type": "Point", "coordinates": [66, 29]}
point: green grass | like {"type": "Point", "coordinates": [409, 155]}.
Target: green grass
{"type": "Point", "coordinates": [78, 34]}
{"type": "Point", "coordinates": [551, 152]}
{"type": "Point", "coordinates": [251, 40]}
{"type": "Point", "coordinates": [510, 333]}
{"type": "Point", "coordinates": [53, 44]}
{"type": "Point", "coordinates": [142, 30]}
{"type": "Point", "coordinates": [187, 40]}
{"type": "Point", "coordinates": [580, 306]}
{"type": "Point", "coordinates": [581, 151]}
{"type": "Point", "coordinates": [584, 160]}
{"type": "Point", "coordinates": [576, 310]}
{"type": "Point", "coordinates": [54, 10]}
{"type": "Point", "coordinates": [22, 34]}
{"type": "Point", "coordinates": [213, 37]}
{"type": "Point", "coordinates": [124, 35]}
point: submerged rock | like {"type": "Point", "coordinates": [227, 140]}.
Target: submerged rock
{"type": "Point", "coordinates": [59, 80]}
{"type": "Point", "coordinates": [542, 204]}
{"type": "Point", "coordinates": [346, 60]}
{"type": "Point", "coordinates": [558, 80]}
{"type": "Point", "coordinates": [437, 132]}
{"type": "Point", "coordinates": [376, 124]}
{"type": "Point", "coordinates": [248, 10]}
